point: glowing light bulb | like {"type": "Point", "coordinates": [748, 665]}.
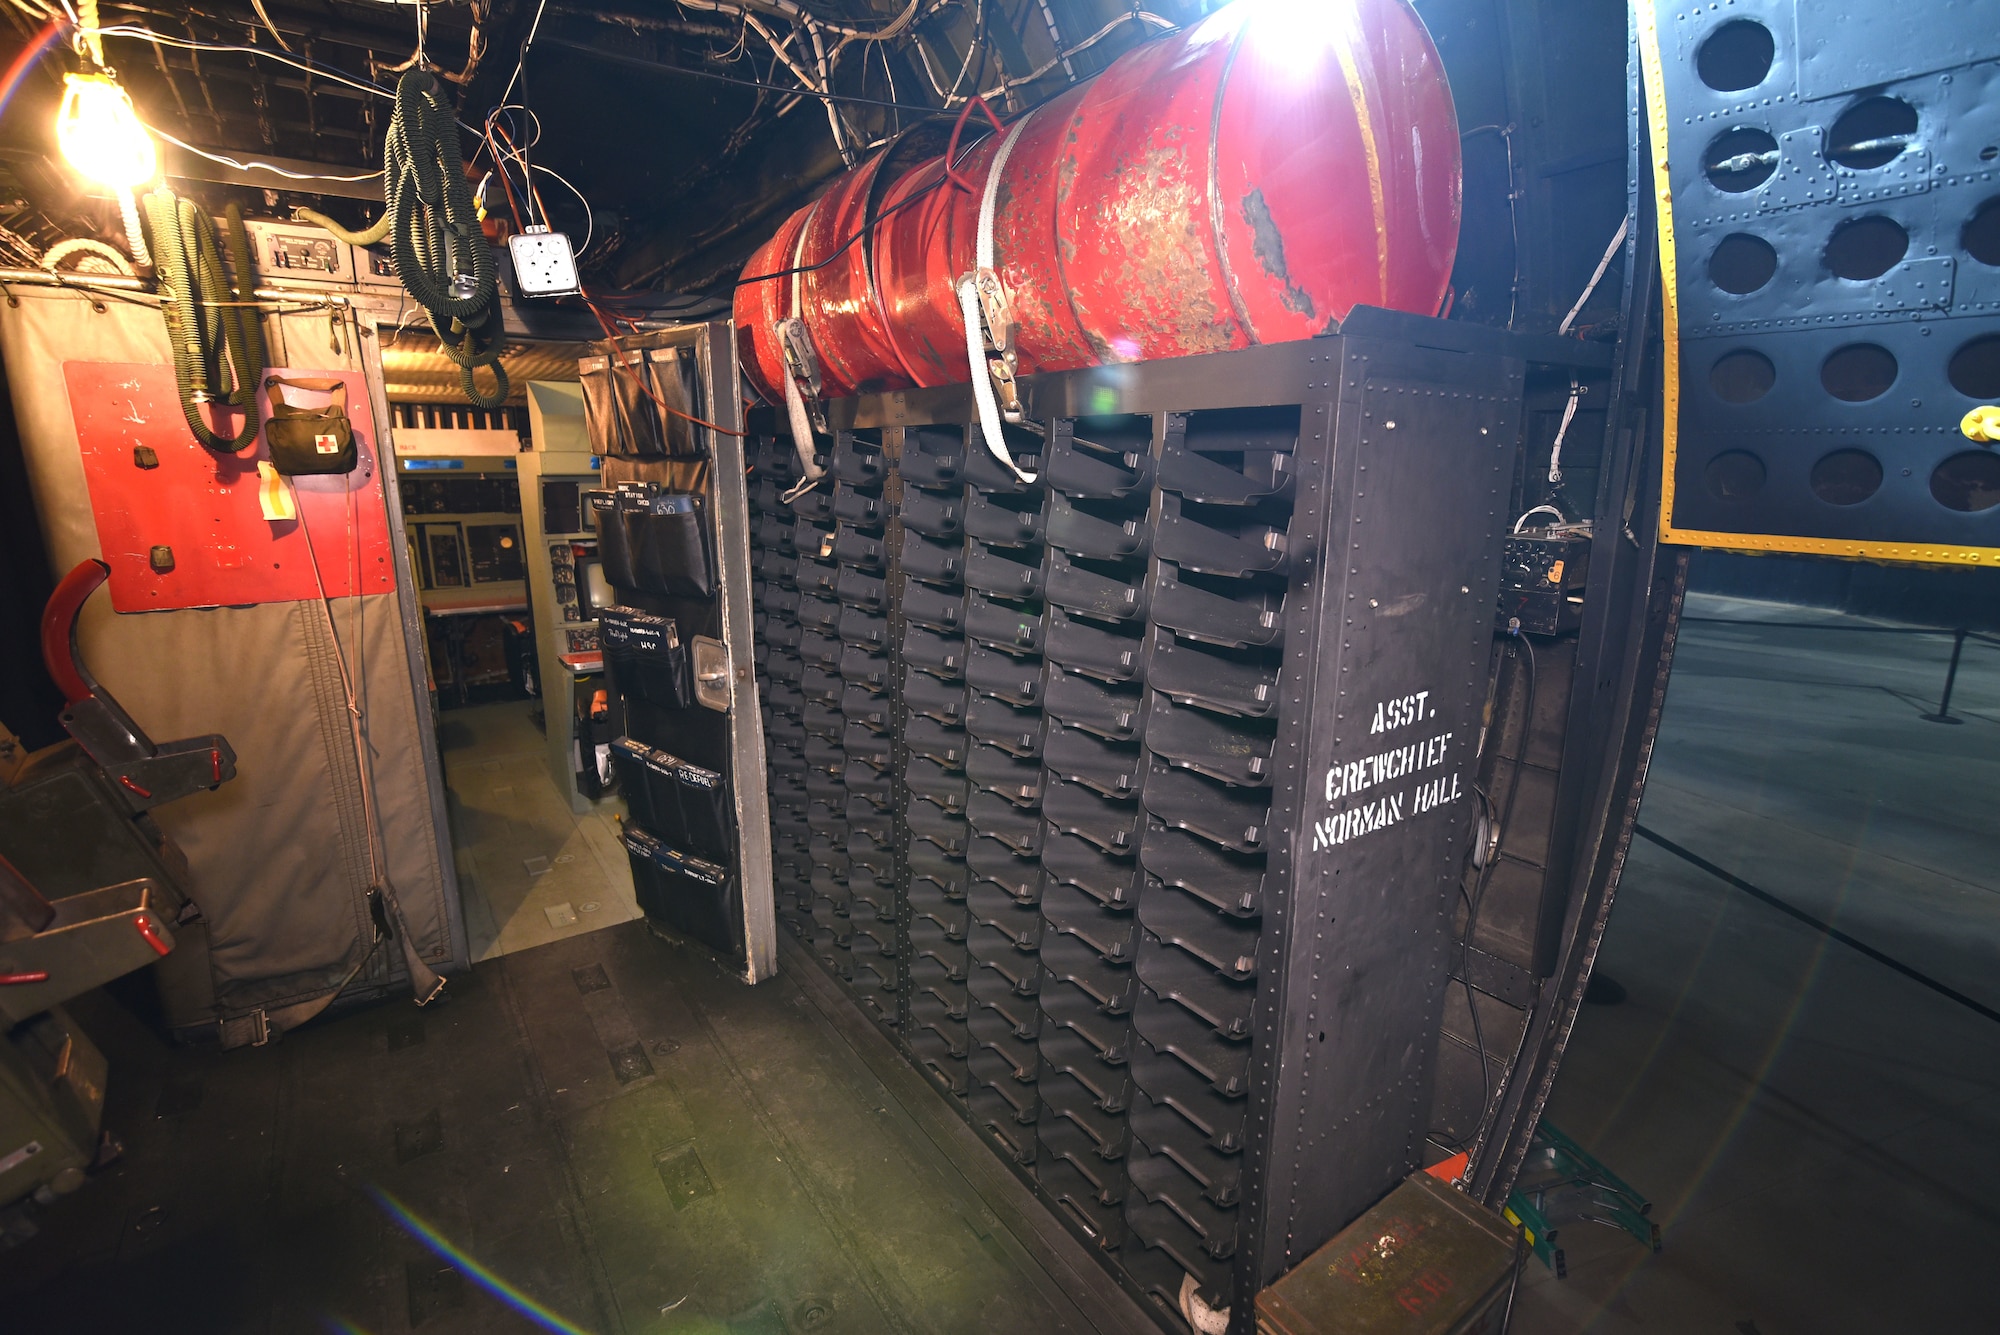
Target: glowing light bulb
{"type": "Point", "coordinates": [100, 133]}
{"type": "Point", "coordinates": [1297, 39]}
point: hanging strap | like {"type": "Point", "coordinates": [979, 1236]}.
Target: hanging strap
{"type": "Point", "coordinates": [330, 385]}
{"type": "Point", "coordinates": [982, 300]}
{"type": "Point", "coordinates": [800, 364]}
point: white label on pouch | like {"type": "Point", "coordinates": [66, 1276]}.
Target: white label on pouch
{"type": "Point", "coordinates": [19, 1157]}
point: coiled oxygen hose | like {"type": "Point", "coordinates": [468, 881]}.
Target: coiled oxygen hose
{"type": "Point", "coordinates": [207, 317]}
{"type": "Point", "coordinates": [433, 230]}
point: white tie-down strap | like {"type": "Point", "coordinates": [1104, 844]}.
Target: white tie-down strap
{"type": "Point", "coordinates": [795, 399]}
{"type": "Point", "coordinates": [968, 304]}
{"type": "Point", "coordinates": [802, 439]}
{"type": "Point", "coordinates": [1205, 1319]}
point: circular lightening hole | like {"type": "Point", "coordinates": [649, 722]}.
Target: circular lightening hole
{"type": "Point", "coordinates": [1846, 477]}
{"type": "Point", "coordinates": [1740, 160]}
{"type": "Point", "coordinates": [1866, 248]}
{"type": "Point", "coordinates": [1736, 56]}
{"type": "Point", "coordinates": [1968, 482]}
{"type": "Point", "coordinates": [1858, 372]}
{"type": "Point", "coordinates": [1734, 475]}
{"type": "Point", "coordinates": [1974, 370]}
{"type": "Point", "coordinates": [1872, 133]}
{"type": "Point", "coordinates": [1981, 235]}
{"type": "Point", "coordinates": [1742, 264]}
{"type": "Point", "coordinates": [1742, 376]}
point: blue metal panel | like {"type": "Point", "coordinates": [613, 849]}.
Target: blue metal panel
{"type": "Point", "coordinates": [1868, 111]}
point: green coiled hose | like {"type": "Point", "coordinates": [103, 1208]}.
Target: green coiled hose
{"type": "Point", "coordinates": [433, 230]}
{"type": "Point", "coordinates": [213, 325]}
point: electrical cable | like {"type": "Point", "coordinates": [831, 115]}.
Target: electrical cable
{"type": "Point", "coordinates": [518, 154]}
{"type": "Point", "coordinates": [1514, 1284]}
{"type": "Point", "coordinates": [842, 132]}
{"type": "Point", "coordinates": [849, 244]}
{"type": "Point", "coordinates": [1477, 899]}
{"type": "Point", "coordinates": [799, 15]}
{"type": "Point", "coordinates": [87, 41]}
{"type": "Point", "coordinates": [1472, 1008]}
{"type": "Point", "coordinates": [972, 48]}
{"type": "Point", "coordinates": [1569, 415]}
{"type": "Point", "coordinates": [617, 358]}
{"type": "Point", "coordinates": [510, 153]}
{"type": "Point", "coordinates": [213, 340]}
{"type": "Point", "coordinates": [269, 26]}
{"type": "Point", "coordinates": [1522, 522]}
{"type": "Point", "coordinates": [951, 154]}
{"type": "Point", "coordinates": [1056, 40]}
{"type": "Point", "coordinates": [1624, 226]}
{"type": "Point", "coordinates": [659, 67]}
{"type": "Point", "coordinates": [1063, 55]}
{"type": "Point", "coordinates": [500, 167]}
{"type": "Point", "coordinates": [889, 77]}
{"type": "Point", "coordinates": [253, 164]}
{"type": "Point", "coordinates": [264, 52]}
{"type": "Point", "coordinates": [1506, 133]}
{"type": "Point", "coordinates": [521, 64]}
{"type": "Point", "coordinates": [440, 252]}
{"type": "Point", "coordinates": [27, 255]}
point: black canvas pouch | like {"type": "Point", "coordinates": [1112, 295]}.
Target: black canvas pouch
{"type": "Point", "coordinates": [306, 442]}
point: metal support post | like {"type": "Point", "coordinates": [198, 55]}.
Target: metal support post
{"type": "Point", "coordinates": [1944, 714]}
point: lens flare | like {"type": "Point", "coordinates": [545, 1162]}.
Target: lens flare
{"type": "Point", "coordinates": [423, 1232]}
{"type": "Point", "coordinates": [10, 82]}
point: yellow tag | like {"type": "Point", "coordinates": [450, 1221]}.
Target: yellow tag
{"type": "Point", "coordinates": [274, 493]}
{"type": "Point", "coordinates": [1556, 572]}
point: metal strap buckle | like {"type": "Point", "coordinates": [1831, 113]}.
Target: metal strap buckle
{"type": "Point", "coordinates": [998, 329]}
{"type": "Point", "coordinates": [800, 360]}
{"type": "Point", "coordinates": [802, 364]}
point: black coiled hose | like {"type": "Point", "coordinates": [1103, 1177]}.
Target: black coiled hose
{"type": "Point", "coordinates": [207, 317]}
{"type": "Point", "coordinates": [433, 230]}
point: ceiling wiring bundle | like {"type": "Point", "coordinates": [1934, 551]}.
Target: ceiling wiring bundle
{"type": "Point", "coordinates": [434, 235]}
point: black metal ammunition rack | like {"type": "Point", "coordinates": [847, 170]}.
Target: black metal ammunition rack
{"type": "Point", "coordinates": [1052, 767]}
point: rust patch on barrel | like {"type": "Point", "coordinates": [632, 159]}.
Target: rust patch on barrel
{"type": "Point", "coordinates": [1269, 248]}
{"type": "Point", "coordinates": [1163, 275]}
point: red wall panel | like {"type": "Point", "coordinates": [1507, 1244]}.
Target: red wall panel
{"type": "Point", "coordinates": [204, 505]}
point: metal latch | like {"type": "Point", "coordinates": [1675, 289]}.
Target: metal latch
{"type": "Point", "coordinates": [802, 364]}
{"type": "Point", "coordinates": [711, 672]}
{"type": "Point", "coordinates": [998, 328]}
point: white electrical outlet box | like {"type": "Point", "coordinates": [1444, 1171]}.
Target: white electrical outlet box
{"type": "Point", "coordinates": [543, 264]}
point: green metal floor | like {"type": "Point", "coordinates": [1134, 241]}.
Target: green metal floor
{"type": "Point", "coordinates": [603, 1134]}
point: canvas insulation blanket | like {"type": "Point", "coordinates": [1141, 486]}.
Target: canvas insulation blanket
{"type": "Point", "coordinates": [279, 856]}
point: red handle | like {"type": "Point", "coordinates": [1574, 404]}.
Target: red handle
{"type": "Point", "coordinates": [151, 934]}
{"type": "Point", "coordinates": [59, 628]}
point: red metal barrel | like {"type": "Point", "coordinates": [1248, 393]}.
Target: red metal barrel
{"type": "Point", "coordinates": [1248, 180]}
{"type": "Point", "coordinates": [759, 307]}
{"type": "Point", "coordinates": [840, 294]}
